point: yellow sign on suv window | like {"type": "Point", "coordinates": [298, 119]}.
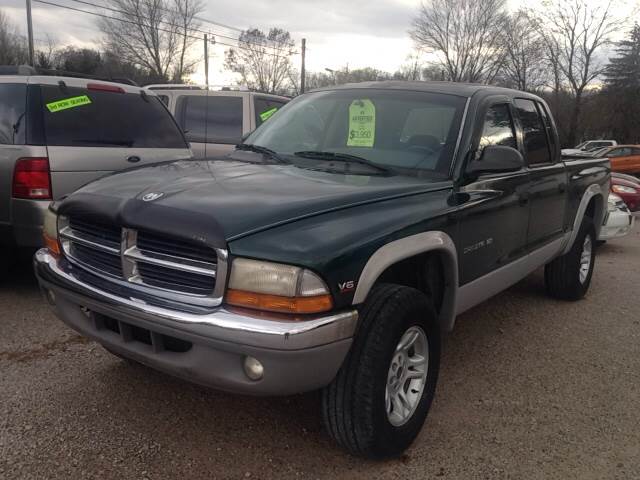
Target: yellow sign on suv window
{"type": "Point", "coordinates": [68, 103]}
{"type": "Point", "coordinates": [362, 123]}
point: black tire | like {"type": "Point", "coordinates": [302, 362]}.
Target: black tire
{"type": "Point", "coordinates": [562, 275]}
{"type": "Point", "coordinates": [353, 405]}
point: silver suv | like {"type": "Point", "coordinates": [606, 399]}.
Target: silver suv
{"type": "Point", "coordinates": [214, 121]}
{"type": "Point", "coordinates": [59, 133]}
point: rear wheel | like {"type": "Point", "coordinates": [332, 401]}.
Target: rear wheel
{"type": "Point", "coordinates": [568, 277]}
{"type": "Point", "coordinates": [378, 402]}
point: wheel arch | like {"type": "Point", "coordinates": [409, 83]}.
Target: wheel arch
{"type": "Point", "coordinates": [592, 204]}
{"type": "Point", "coordinates": [393, 253]}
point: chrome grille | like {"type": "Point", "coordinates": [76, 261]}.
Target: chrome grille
{"type": "Point", "coordinates": [170, 267]}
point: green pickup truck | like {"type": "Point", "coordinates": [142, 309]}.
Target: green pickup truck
{"type": "Point", "coordinates": [331, 250]}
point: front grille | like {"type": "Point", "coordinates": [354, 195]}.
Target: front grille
{"type": "Point", "coordinates": [168, 265]}
{"type": "Point", "coordinates": [150, 242]}
{"type": "Point", "coordinates": [172, 279]}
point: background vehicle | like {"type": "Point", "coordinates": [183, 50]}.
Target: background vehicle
{"type": "Point", "coordinates": [624, 158]}
{"type": "Point", "coordinates": [333, 249]}
{"type": "Point", "coordinates": [628, 188]}
{"type": "Point", "coordinates": [618, 220]}
{"type": "Point", "coordinates": [58, 133]}
{"type": "Point", "coordinates": [214, 121]}
{"type": "Point", "coordinates": [589, 146]}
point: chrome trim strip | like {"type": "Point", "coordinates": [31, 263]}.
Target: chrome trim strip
{"type": "Point", "coordinates": [403, 248]}
{"type": "Point", "coordinates": [480, 289]}
{"type": "Point", "coordinates": [240, 327]}
{"type": "Point", "coordinates": [68, 233]}
{"type": "Point", "coordinates": [170, 261]}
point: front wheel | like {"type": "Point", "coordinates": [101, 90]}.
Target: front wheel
{"type": "Point", "coordinates": [378, 402]}
{"type": "Point", "coordinates": [568, 277]}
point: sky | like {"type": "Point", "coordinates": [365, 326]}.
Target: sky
{"type": "Point", "coordinates": [338, 32]}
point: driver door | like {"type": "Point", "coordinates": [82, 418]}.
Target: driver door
{"type": "Point", "coordinates": [494, 210]}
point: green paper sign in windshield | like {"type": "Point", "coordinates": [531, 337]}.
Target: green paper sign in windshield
{"type": "Point", "coordinates": [267, 114]}
{"type": "Point", "coordinates": [68, 103]}
{"type": "Point", "coordinates": [362, 123]}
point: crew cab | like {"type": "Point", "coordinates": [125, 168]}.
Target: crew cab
{"type": "Point", "coordinates": [332, 250]}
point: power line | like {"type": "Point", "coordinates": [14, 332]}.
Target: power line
{"type": "Point", "coordinates": [172, 24]}
{"type": "Point", "coordinates": [149, 26]}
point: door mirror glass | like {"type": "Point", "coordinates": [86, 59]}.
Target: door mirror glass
{"type": "Point", "coordinates": [496, 159]}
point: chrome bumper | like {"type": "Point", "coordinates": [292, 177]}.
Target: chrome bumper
{"type": "Point", "coordinates": [298, 354]}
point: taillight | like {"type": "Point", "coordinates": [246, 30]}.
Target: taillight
{"type": "Point", "coordinates": [31, 179]}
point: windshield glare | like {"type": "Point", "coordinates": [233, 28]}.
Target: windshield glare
{"type": "Point", "coordinates": [410, 132]}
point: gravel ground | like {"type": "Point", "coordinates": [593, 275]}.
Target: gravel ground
{"type": "Point", "coordinates": [530, 388]}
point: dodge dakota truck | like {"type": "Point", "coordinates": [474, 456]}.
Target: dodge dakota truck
{"type": "Point", "coordinates": [331, 250]}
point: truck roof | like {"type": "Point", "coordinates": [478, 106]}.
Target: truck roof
{"type": "Point", "coordinates": [451, 88]}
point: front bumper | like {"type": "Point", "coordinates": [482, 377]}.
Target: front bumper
{"type": "Point", "coordinates": [617, 224]}
{"type": "Point", "coordinates": [297, 355]}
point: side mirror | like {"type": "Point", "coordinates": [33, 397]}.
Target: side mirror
{"type": "Point", "coordinates": [496, 159]}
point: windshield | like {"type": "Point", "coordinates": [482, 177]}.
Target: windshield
{"type": "Point", "coordinates": [407, 132]}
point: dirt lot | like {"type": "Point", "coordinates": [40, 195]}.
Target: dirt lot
{"type": "Point", "coordinates": [530, 388]}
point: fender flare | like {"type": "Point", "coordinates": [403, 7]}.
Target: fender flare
{"type": "Point", "coordinates": [592, 191]}
{"type": "Point", "coordinates": [393, 252]}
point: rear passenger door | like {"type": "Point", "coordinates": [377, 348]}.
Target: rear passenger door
{"type": "Point", "coordinates": [213, 124]}
{"type": "Point", "coordinates": [548, 190]}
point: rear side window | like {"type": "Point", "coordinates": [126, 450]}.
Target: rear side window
{"type": "Point", "coordinates": [13, 102]}
{"type": "Point", "coordinates": [498, 127]}
{"type": "Point", "coordinates": [265, 108]}
{"type": "Point", "coordinates": [620, 152]}
{"type": "Point", "coordinates": [79, 117]}
{"type": "Point", "coordinates": [535, 137]}
{"type": "Point", "coordinates": [216, 119]}
{"type": "Point", "coordinates": [548, 127]}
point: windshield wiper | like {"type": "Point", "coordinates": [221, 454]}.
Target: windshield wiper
{"type": "Point", "coordinates": [251, 147]}
{"type": "Point", "coordinates": [341, 157]}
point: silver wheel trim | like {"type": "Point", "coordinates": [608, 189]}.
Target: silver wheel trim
{"type": "Point", "coordinates": [585, 258]}
{"type": "Point", "coordinates": [407, 376]}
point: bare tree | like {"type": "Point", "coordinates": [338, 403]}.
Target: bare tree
{"type": "Point", "coordinates": [576, 31]}
{"type": "Point", "coordinates": [465, 34]}
{"type": "Point", "coordinates": [524, 65]}
{"type": "Point", "coordinates": [263, 60]}
{"type": "Point", "coordinates": [13, 46]}
{"type": "Point", "coordinates": [154, 34]}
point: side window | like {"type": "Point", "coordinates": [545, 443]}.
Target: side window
{"type": "Point", "coordinates": [620, 152]}
{"type": "Point", "coordinates": [635, 151]}
{"type": "Point", "coordinates": [192, 117]}
{"type": "Point", "coordinates": [498, 127]}
{"type": "Point", "coordinates": [13, 102]}
{"type": "Point", "coordinates": [548, 127]}
{"type": "Point", "coordinates": [264, 108]}
{"type": "Point", "coordinates": [210, 119]}
{"type": "Point", "coordinates": [535, 137]}
{"type": "Point", "coordinates": [224, 120]}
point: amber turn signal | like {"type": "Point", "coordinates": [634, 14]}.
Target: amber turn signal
{"type": "Point", "coordinates": [52, 244]}
{"type": "Point", "coordinates": [276, 303]}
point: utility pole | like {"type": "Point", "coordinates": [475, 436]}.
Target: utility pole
{"type": "Point", "coordinates": [30, 33]}
{"type": "Point", "coordinates": [206, 60]}
{"type": "Point", "coordinates": [303, 73]}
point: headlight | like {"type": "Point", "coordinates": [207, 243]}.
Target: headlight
{"type": "Point", "coordinates": [276, 287]}
{"type": "Point", "coordinates": [50, 231]}
{"type": "Point", "coordinates": [623, 189]}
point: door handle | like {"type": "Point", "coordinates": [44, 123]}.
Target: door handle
{"type": "Point", "coordinates": [562, 187]}
{"type": "Point", "coordinates": [133, 159]}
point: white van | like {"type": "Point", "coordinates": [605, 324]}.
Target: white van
{"type": "Point", "coordinates": [214, 121]}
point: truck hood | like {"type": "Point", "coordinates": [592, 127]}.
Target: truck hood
{"type": "Point", "coordinates": [215, 201]}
